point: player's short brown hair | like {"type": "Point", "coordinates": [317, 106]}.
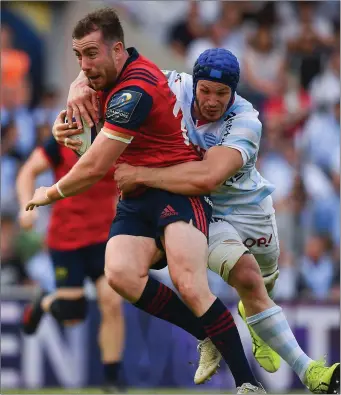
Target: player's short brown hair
{"type": "Point", "coordinates": [104, 19]}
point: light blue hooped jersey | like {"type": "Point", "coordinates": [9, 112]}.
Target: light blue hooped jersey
{"type": "Point", "coordinates": [240, 129]}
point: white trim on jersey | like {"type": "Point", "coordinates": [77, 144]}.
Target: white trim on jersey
{"type": "Point", "coordinates": [118, 138]}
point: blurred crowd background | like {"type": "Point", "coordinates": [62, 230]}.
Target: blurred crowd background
{"type": "Point", "coordinates": [289, 54]}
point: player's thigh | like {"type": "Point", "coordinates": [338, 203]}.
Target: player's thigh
{"type": "Point", "coordinates": [186, 247]}
{"type": "Point", "coordinates": [127, 261]}
{"type": "Point", "coordinates": [131, 247]}
{"type": "Point", "coordinates": [131, 255]}
{"type": "Point", "coordinates": [225, 248]}
{"type": "Point", "coordinates": [260, 236]}
{"type": "Point", "coordinates": [174, 208]}
{"type": "Point", "coordinates": [185, 240]}
{"type": "Point", "coordinates": [68, 267]}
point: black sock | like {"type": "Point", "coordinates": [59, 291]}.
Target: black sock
{"type": "Point", "coordinates": [160, 301]}
{"type": "Point", "coordinates": [111, 372]}
{"type": "Point", "coordinates": [221, 329]}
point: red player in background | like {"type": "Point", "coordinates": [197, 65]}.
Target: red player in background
{"type": "Point", "coordinates": [76, 239]}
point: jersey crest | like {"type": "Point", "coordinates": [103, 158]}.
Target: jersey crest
{"type": "Point", "coordinates": [122, 105]}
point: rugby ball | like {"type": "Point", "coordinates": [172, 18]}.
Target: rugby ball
{"type": "Point", "coordinates": [87, 137]}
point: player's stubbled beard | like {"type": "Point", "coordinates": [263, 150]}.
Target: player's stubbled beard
{"type": "Point", "coordinates": [111, 71]}
{"type": "Point", "coordinates": [108, 72]}
{"type": "Point", "coordinates": [109, 77]}
{"type": "Point", "coordinates": [208, 113]}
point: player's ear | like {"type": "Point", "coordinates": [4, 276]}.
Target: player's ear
{"type": "Point", "coordinates": [117, 50]}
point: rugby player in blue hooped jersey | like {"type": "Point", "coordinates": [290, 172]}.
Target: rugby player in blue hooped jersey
{"type": "Point", "coordinates": [243, 243]}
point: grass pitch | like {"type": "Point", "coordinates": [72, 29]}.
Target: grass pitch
{"type": "Point", "coordinates": [155, 391]}
{"type": "Point", "coordinates": [99, 391]}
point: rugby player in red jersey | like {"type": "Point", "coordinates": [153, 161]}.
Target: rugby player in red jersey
{"type": "Point", "coordinates": [143, 125]}
{"type": "Point", "coordinates": [76, 239]}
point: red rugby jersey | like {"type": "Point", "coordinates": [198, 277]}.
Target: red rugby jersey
{"type": "Point", "coordinates": [142, 105]}
{"type": "Point", "coordinates": [82, 220]}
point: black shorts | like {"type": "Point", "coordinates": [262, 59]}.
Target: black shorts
{"type": "Point", "coordinates": [73, 266]}
{"type": "Point", "coordinates": [148, 214]}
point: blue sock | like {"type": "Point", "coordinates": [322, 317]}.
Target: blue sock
{"type": "Point", "coordinates": [273, 328]}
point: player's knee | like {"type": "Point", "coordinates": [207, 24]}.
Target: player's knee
{"type": "Point", "coordinates": [270, 280]}
{"type": "Point", "coordinates": [115, 275]}
{"type": "Point", "coordinates": [223, 256]}
{"type": "Point", "coordinates": [110, 305]}
{"type": "Point", "coordinates": [189, 288]}
{"type": "Point", "coordinates": [246, 276]}
{"type": "Point", "coordinates": [69, 309]}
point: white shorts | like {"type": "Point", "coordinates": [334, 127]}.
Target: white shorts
{"type": "Point", "coordinates": [253, 226]}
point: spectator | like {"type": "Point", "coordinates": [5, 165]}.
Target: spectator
{"type": "Point", "coordinates": [323, 152]}
{"type": "Point", "coordinates": [279, 167]}
{"type": "Point", "coordinates": [182, 33]}
{"type": "Point", "coordinates": [290, 73]}
{"type": "Point", "coordinates": [263, 67]}
{"type": "Point", "coordinates": [286, 288]}
{"type": "Point", "coordinates": [15, 108]}
{"type": "Point", "coordinates": [325, 87]}
{"type": "Point", "coordinates": [235, 32]}
{"type": "Point", "coordinates": [14, 63]}
{"type": "Point", "coordinates": [216, 34]}
{"type": "Point", "coordinates": [316, 270]}
{"type": "Point", "coordinates": [48, 108]}
{"type": "Point", "coordinates": [307, 39]}
{"type": "Point", "coordinates": [12, 266]}
{"type": "Point", "coordinates": [335, 291]}
{"type": "Point", "coordinates": [307, 19]}
{"type": "Point", "coordinates": [9, 166]}
{"type": "Point", "coordinates": [290, 108]}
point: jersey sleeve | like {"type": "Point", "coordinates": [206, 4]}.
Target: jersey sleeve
{"type": "Point", "coordinates": [127, 110]}
{"type": "Point", "coordinates": [181, 84]}
{"type": "Point", "coordinates": [171, 76]}
{"type": "Point", "coordinates": [51, 150]}
{"type": "Point", "coordinates": [243, 133]}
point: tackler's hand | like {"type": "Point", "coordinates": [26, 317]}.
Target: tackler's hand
{"type": "Point", "coordinates": [82, 102]}
{"type": "Point", "coordinates": [61, 132]}
{"type": "Point", "coordinates": [125, 177]}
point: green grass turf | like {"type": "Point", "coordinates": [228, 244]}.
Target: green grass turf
{"type": "Point", "coordinates": [99, 391]}
{"type": "Point", "coordinates": [130, 391]}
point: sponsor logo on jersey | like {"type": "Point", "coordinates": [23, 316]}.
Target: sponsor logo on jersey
{"type": "Point", "coordinates": [124, 98]}
{"type": "Point", "coordinates": [233, 179]}
{"type": "Point", "coordinates": [260, 242]}
{"type": "Point", "coordinates": [122, 105]}
{"type": "Point", "coordinates": [227, 126]}
{"type": "Point", "coordinates": [61, 273]}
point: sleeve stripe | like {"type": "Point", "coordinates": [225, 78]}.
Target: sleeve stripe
{"type": "Point", "coordinates": [141, 71]}
{"type": "Point", "coordinates": [139, 78]}
{"type": "Point", "coordinates": [118, 138]}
